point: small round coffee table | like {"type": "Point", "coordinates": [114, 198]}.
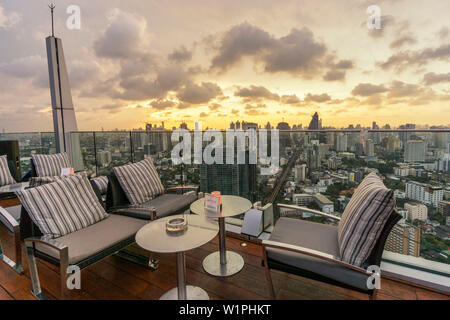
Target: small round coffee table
{"type": "Point", "coordinates": [223, 263]}
{"type": "Point", "coordinates": [153, 237]}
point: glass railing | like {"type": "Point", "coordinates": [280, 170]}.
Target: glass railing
{"type": "Point", "coordinates": [318, 169]}
{"type": "Point", "coordinates": [31, 143]}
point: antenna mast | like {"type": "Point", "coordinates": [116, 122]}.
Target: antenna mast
{"type": "Point", "coordinates": [52, 7]}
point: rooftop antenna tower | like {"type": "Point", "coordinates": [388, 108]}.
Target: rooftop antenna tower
{"type": "Point", "coordinates": [52, 7]}
{"type": "Point", "coordinates": [64, 120]}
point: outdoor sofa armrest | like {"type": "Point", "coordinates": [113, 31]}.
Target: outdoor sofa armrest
{"type": "Point", "coordinates": [123, 210]}
{"type": "Point", "coordinates": [48, 242]}
{"type": "Point", "coordinates": [310, 252]}
{"type": "Point", "coordinates": [8, 220]}
{"type": "Point", "coordinates": [185, 189]}
{"type": "Point", "coordinates": [304, 209]}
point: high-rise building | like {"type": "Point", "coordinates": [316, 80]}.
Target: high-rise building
{"type": "Point", "coordinates": [393, 143]}
{"type": "Point", "coordinates": [404, 239]}
{"type": "Point", "coordinates": [314, 124]}
{"type": "Point", "coordinates": [443, 164]}
{"type": "Point", "coordinates": [341, 142]}
{"type": "Point", "coordinates": [415, 151]}
{"type": "Point", "coordinates": [416, 211]}
{"type": "Point", "coordinates": [229, 179]}
{"type": "Point", "coordinates": [370, 148]}
{"type": "Point", "coordinates": [444, 208]}
{"type": "Point", "coordinates": [425, 193]}
{"type": "Point", "coordinates": [300, 173]}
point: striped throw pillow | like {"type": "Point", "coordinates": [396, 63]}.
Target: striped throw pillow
{"type": "Point", "coordinates": [101, 183]}
{"type": "Point", "coordinates": [39, 181]}
{"type": "Point", "coordinates": [140, 181]}
{"type": "Point", "coordinates": [5, 175]}
{"type": "Point", "coordinates": [363, 219]}
{"type": "Point", "coordinates": [62, 207]}
{"type": "Point", "coordinates": [50, 164]}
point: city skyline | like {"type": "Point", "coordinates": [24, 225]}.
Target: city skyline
{"type": "Point", "coordinates": [145, 63]}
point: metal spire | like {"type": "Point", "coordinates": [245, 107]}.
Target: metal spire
{"type": "Point", "coordinates": [52, 7]}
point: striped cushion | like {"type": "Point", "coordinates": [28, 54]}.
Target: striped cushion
{"type": "Point", "coordinates": [50, 164]}
{"type": "Point", "coordinates": [5, 175]}
{"type": "Point", "coordinates": [140, 181]}
{"type": "Point", "coordinates": [39, 181]}
{"type": "Point", "coordinates": [363, 219]}
{"type": "Point", "coordinates": [101, 183]}
{"type": "Point", "coordinates": [62, 207]}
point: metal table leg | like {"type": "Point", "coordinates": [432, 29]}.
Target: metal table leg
{"type": "Point", "coordinates": [223, 263]}
{"type": "Point", "coordinates": [183, 292]}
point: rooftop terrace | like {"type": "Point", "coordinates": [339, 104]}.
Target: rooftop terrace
{"type": "Point", "coordinates": [115, 278]}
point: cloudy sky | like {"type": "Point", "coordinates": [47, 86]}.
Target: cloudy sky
{"type": "Point", "coordinates": [218, 61]}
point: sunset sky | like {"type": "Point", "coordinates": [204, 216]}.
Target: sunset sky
{"type": "Point", "coordinates": [218, 61]}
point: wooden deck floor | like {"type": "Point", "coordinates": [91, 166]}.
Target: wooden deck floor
{"type": "Point", "coordinates": [115, 278]}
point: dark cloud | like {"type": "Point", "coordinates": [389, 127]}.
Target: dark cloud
{"type": "Point", "coordinates": [433, 78]}
{"type": "Point", "coordinates": [161, 104]}
{"type": "Point", "coordinates": [400, 89]}
{"type": "Point", "coordinates": [401, 60]}
{"type": "Point", "coordinates": [112, 108]}
{"type": "Point", "coordinates": [324, 97]}
{"type": "Point", "coordinates": [367, 89]}
{"type": "Point", "coordinates": [240, 41]}
{"type": "Point", "coordinates": [444, 33]}
{"type": "Point", "coordinates": [123, 38]}
{"type": "Point", "coordinates": [256, 92]}
{"type": "Point", "coordinates": [402, 40]}
{"type": "Point", "coordinates": [215, 107]}
{"type": "Point", "coordinates": [196, 94]}
{"type": "Point", "coordinates": [344, 64]}
{"type": "Point", "coordinates": [180, 55]}
{"type": "Point", "coordinates": [337, 70]}
{"type": "Point", "coordinates": [334, 75]}
{"type": "Point", "coordinates": [298, 52]}
{"type": "Point", "coordinates": [255, 110]}
{"type": "Point", "coordinates": [290, 99]}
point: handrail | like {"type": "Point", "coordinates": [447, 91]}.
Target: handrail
{"type": "Point", "coordinates": [303, 209]}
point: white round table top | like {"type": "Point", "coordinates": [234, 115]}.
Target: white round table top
{"type": "Point", "coordinates": [231, 206]}
{"type": "Point", "coordinates": [153, 236]}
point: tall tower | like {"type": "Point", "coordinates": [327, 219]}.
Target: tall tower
{"type": "Point", "coordinates": [64, 120]}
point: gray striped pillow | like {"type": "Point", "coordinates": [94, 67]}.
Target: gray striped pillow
{"type": "Point", "coordinates": [62, 207]}
{"type": "Point", "coordinates": [101, 183]}
{"type": "Point", "coordinates": [363, 219]}
{"type": "Point", "coordinates": [5, 175]}
{"type": "Point", "coordinates": [140, 181]}
{"type": "Point", "coordinates": [39, 181]}
{"type": "Point", "coordinates": [50, 164]}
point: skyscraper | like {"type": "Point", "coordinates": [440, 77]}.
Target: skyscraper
{"type": "Point", "coordinates": [404, 239]}
{"type": "Point", "coordinates": [229, 179]}
{"type": "Point", "coordinates": [415, 151]}
{"type": "Point", "coordinates": [314, 124]}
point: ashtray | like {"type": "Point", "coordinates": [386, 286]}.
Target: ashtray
{"type": "Point", "coordinates": [176, 226]}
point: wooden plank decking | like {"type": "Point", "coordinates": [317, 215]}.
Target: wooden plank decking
{"type": "Point", "coordinates": [115, 278]}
